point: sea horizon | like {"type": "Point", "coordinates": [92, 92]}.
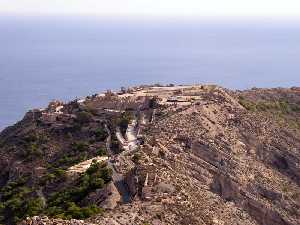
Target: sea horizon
{"type": "Point", "coordinates": [47, 58]}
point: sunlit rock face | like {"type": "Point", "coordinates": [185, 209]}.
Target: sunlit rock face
{"type": "Point", "coordinates": [174, 155]}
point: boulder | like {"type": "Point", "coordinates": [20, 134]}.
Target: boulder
{"type": "Point", "coordinates": [107, 197]}
{"type": "Point", "coordinates": [164, 188]}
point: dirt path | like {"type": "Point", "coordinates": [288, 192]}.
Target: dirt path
{"type": "Point", "coordinates": [120, 137]}
{"type": "Point", "coordinates": [143, 120]}
{"type": "Point", "coordinates": [130, 141]}
{"type": "Point", "coordinates": [117, 178]}
{"type": "Point", "coordinates": [130, 132]}
{"type": "Point", "coordinates": [131, 136]}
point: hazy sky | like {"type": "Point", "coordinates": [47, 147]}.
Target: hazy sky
{"type": "Point", "coordinates": [155, 8]}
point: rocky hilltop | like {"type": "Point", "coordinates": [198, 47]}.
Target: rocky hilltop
{"type": "Point", "coordinates": [155, 155]}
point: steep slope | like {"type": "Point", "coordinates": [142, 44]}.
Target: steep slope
{"type": "Point", "coordinates": [201, 155]}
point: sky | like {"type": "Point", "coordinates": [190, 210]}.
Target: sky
{"type": "Point", "coordinates": [155, 8]}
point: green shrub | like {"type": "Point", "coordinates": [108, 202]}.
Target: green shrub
{"type": "Point", "coordinates": [74, 211]}
{"type": "Point", "coordinates": [48, 178]}
{"type": "Point", "coordinates": [100, 134]}
{"type": "Point", "coordinates": [13, 187]}
{"type": "Point", "coordinates": [247, 104]}
{"type": "Point", "coordinates": [34, 207]}
{"type": "Point", "coordinates": [136, 157]}
{"type": "Point", "coordinates": [80, 146]}
{"type": "Point", "coordinates": [115, 145]}
{"type": "Point", "coordinates": [32, 151]}
{"type": "Point", "coordinates": [91, 210]}
{"type": "Point", "coordinates": [97, 183]}
{"type": "Point", "coordinates": [55, 211]}
{"type": "Point", "coordinates": [16, 202]}
{"type": "Point", "coordinates": [295, 108]}
{"type": "Point", "coordinates": [66, 160]}
{"type": "Point", "coordinates": [124, 120]}
{"type": "Point", "coordinates": [80, 154]}
{"type": "Point", "coordinates": [83, 117]}
{"type": "Point", "coordinates": [64, 204]}
{"type": "Point", "coordinates": [60, 172]}
{"type": "Point", "coordinates": [281, 106]}
{"type": "Point", "coordinates": [101, 152]}
{"type": "Point", "coordinates": [55, 175]}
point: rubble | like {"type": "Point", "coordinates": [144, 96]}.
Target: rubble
{"type": "Point", "coordinates": [205, 157]}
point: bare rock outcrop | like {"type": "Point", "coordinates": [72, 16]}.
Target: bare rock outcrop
{"type": "Point", "coordinates": [107, 197]}
{"type": "Point", "coordinates": [207, 156]}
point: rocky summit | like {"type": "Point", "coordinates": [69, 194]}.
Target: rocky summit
{"type": "Point", "coordinates": [151, 155]}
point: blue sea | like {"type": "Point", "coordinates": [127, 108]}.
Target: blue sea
{"type": "Point", "coordinates": [42, 59]}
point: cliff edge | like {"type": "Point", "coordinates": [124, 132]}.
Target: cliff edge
{"type": "Point", "coordinates": [198, 154]}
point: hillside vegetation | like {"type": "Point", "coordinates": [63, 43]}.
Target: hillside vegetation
{"type": "Point", "coordinates": [186, 155]}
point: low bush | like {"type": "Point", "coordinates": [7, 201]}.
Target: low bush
{"type": "Point", "coordinates": [136, 157]}
{"type": "Point", "coordinates": [100, 134]}
{"type": "Point", "coordinates": [17, 202]}
{"type": "Point", "coordinates": [65, 203]}
{"type": "Point", "coordinates": [101, 152]}
{"type": "Point", "coordinates": [124, 120]}
{"type": "Point", "coordinates": [80, 146]}
{"type": "Point", "coordinates": [270, 106]}
{"type": "Point", "coordinates": [83, 117]}
{"type": "Point", "coordinates": [247, 104]}
{"type": "Point", "coordinates": [18, 199]}
{"type": "Point", "coordinates": [71, 158]}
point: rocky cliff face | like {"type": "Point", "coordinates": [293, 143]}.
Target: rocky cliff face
{"type": "Point", "coordinates": [205, 155]}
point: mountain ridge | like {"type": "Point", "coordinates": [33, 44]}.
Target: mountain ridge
{"type": "Point", "coordinates": [190, 154]}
